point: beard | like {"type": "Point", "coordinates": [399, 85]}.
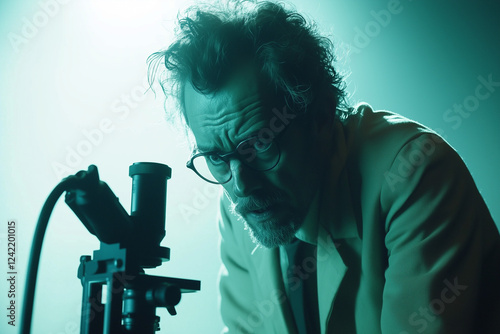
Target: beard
{"type": "Point", "coordinates": [273, 228]}
{"type": "Point", "coordinates": [272, 234]}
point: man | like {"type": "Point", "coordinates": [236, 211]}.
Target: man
{"type": "Point", "coordinates": [333, 219]}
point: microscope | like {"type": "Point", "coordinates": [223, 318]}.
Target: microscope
{"type": "Point", "coordinates": [118, 296]}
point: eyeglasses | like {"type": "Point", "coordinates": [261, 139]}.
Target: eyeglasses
{"type": "Point", "coordinates": [258, 153]}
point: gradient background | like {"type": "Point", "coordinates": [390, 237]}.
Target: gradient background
{"type": "Point", "coordinates": [85, 63]}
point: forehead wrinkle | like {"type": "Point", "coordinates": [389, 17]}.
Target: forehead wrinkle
{"type": "Point", "coordinates": [222, 135]}
{"type": "Point", "coordinates": [248, 110]}
{"type": "Point", "coordinates": [218, 127]}
{"type": "Point", "coordinates": [234, 118]}
{"type": "Point", "coordinates": [234, 113]}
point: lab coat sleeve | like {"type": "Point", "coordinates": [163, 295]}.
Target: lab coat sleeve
{"type": "Point", "coordinates": [443, 247]}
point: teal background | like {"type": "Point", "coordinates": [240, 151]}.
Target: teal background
{"type": "Point", "coordinates": [84, 69]}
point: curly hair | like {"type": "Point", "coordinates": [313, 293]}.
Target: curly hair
{"type": "Point", "coordinates": [213, 40]}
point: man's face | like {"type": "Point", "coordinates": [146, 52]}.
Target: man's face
{"type": "Point", "coordinates": [274, 203]}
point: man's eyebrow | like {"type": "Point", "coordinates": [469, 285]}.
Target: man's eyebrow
{"type": "Point", "coordinates": [205, 149]}
{"type": "Point", "coordinates": [209, 149]}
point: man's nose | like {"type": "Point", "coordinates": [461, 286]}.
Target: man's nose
{"type": "Point", "coordinates": [245, 179]}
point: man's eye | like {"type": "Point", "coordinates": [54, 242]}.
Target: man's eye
{"type": "Point", "coordinates": [214, 159]}
{"type": "Point", "coordinates": [261, 146]}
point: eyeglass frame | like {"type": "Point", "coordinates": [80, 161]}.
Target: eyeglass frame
{"type": "Point", "coordinates": [226, 157]}
{"type": "Point", "coordinates": [235, 153]}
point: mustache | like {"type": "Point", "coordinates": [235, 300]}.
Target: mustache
{"type": "Point", "coordinates": [257, 202]}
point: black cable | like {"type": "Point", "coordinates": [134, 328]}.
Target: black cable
{"type": "Point", "coordinates": [36, 248]}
